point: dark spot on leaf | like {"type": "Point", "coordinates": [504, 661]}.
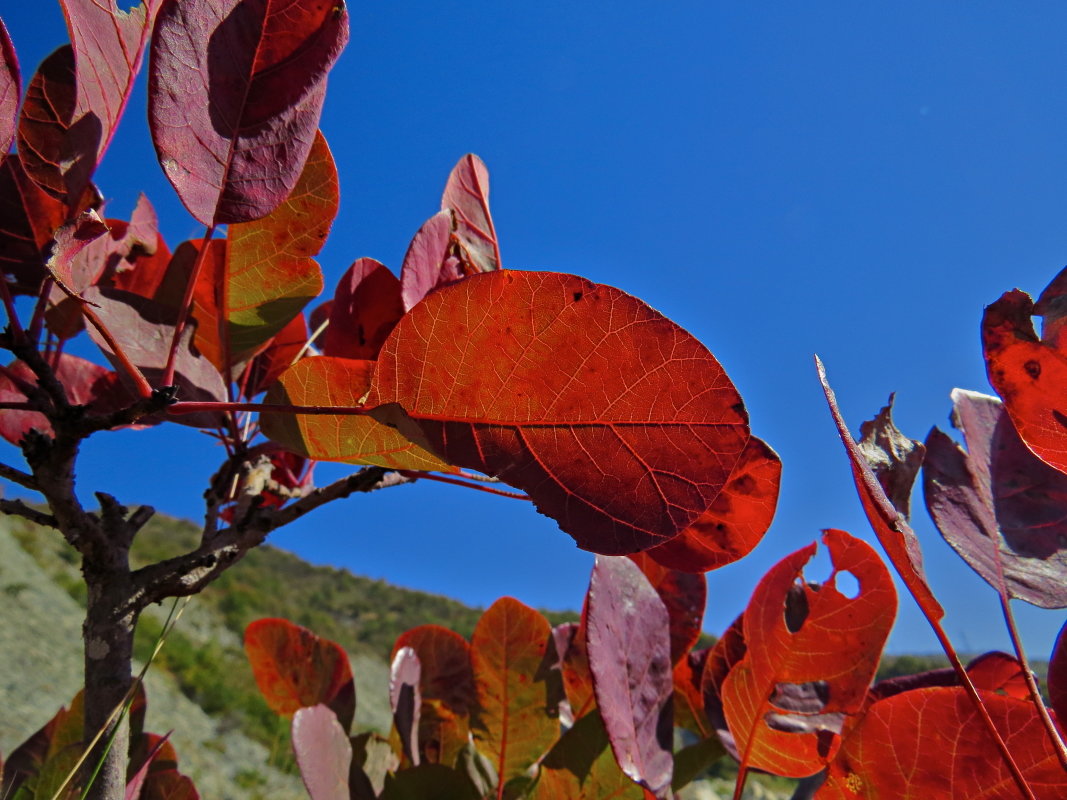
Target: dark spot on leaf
{"type": "Point", "coordinates": [1033, 369]}
{"type": "Point", "coordinates": [577, 296]}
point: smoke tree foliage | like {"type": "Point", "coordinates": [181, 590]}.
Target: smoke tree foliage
{"type": "Point", "coordinates": [608, 417]}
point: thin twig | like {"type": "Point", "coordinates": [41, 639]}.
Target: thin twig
{"type": "Point", "coordinates": [18, 476]}
{"type": "Point", "coordinates": [17, 508]}
{"type": "Point", "coordinates": [430, 476]}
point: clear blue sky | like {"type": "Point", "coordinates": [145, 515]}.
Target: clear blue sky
{"type": "Point", "coordinates": [852, 179]}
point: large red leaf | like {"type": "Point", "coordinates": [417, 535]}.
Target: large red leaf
{"type": "Point", "coordinates": [929, 743]}
{"type": "Point", "coordinates": [235, 93]}
{"type": "Point", "coordinates": [85, 383]}
{"type": "Point", "coordinates": [997, 504]}
{"type": "Point", "coordinates": [736, 520]}
{"type": "Point", "coordinates": [446, 684]}
{"type": "Point", "coordinates": [810, 636]}
{"type": "Point", "coordinates": [684, 595]}
{"type": "Point", "coordinates": [630, 659]}
{"type": "Point", "coordinates": [466, 195]}
{"type": "Point", "coordinates": [366, 307]}
{"type": "Point", "coordinates": [516, 722]}
{"type": "Point", "coordinates": [351, 438]}
{"type": "Point", "coordinates": [10, 91]}
{"type": "Point", "coordinates": [619, 424]}
{"type": "Point", "coordinates": [892, 529]}
{"type": "Point", "coordinates": [296, 669]}
{"type": "Point", "coordinates": [323, 753]}
{"type": "Point", "coordinates": [428, 262]}
{"type": "Point", "coordinates": [1028, 372]}
{"type": "Point", "coordinates": [109, 45]}
{"type": "Point", "coordinates": [268, 275]}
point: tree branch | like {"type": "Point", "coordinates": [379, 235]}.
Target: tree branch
{"type": "Point", "coordinates": [19, 509]}
{"type": "Point", "coordinates": [189, 573]}
{"type": "Point", "coordinates": [18, 476]}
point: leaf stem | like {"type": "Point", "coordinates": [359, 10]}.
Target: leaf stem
{"type": "Point", "coordinates": [12, 316]}
{"type": "Point", "coordinates": [983, 712]}
{"type": "Point", "coordinates": [1031, 684]}
{"type": "Point", "coordinates": [37, 319]}
{"type": "Point", "coordinates": [430, 476]}
{"type": "Point", "coordinates": [191, 407]}
{"type": "Point", "coordinates": [186, 306]}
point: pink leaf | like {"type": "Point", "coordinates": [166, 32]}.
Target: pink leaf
{"type": "Point", "coordinates": [630, 658]}
{"type": "Point", "coordinates": [10, 89]}
{"type": "Point", "coordinates": [467, 196]}
{"type": "Point", "coordinates": [323, 753]}
{"type": "Point", "coordinates": [235, 93]}
{"type": "Point", "coordinates": [405, 699]}
{"type": "Point", "coordinates": [427, 263]}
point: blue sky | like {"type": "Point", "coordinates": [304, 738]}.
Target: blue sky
{"type": "Point", "coordinates": [856, 180]}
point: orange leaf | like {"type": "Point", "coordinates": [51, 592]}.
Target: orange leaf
{"type": "Point", "coordinates": [930, 743]}
{"type": "Point", "coordinates": [351, 438]}
{"type": "Point", "coordinates": [808, 637]}
{"type": "Point", "coordinates": [619, 424]}
{"type": "Point", "coordinates": [516, 723]}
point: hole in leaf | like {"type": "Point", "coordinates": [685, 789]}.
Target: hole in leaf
{"type": "Point", "coordinates": [796, 607]}
{"type": "Point", "coordinates": [847, 584]}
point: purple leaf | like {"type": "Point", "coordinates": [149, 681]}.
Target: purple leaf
{"type": "Point", "coordinates": [109, 46]}
{"type": "Point", "coordinates": [10, 89]}
{"type": "Point", "coordinates": [71, 240]}
{"type": "Point", "coordinates": [630, 658]}
{"type": "Point", "coordinates": [365, 309]}
{"type": "Point", "coordinates": [427, 263]}
{"type": "Point", "coordinates": [467, 196]}
{"type": "Point", "coordinates": [997, 504]}
{"type": "Point", "coordinates": [405, 699]}
{"type": "Point", "coordinates": [893, 457]}
{"type": "Point", "coordinates": [235, 92]}
{"type": "Point", "coordinates": [323, 753]}
{"type": "Point", "coordinates": [144, 330]}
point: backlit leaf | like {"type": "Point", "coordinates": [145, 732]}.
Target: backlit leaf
{"type": "Point", "coordinates": [893, 457]}
{"type": "Point", "coordinates": [10, 91]}
{"type": "Point", "coordinates": [619, 425]}
{"type": "Point", "coordinates": [428, 262]}
{"type": "Point", "coordinates": [997, 504]}
{"type": "Point", "coordinates": [366, 307]}
{"type": "Point", "coordinates": [737, 519]}
{"type": "Point", "coordinates": [467, 196]}
{"type": "Point", "coordinates": [811, 654]}
{"type": "Point", "coordinates": [892, 529]}
{"type": "Point", "coordinates": [58, 149]}
{"type": "Point", "coordinates": [323, 753]}
{"type": "Point", "coordinates": [630, 658]}
{"type": "Point", "coordinates": [351, 438]}
{"type": "Point", "coordinates": [169, 785]}
{"type": "Point", "coordinates": [404, 699]}
{"type": "Point", "coordinates": [516, 722]}
{"type": "Point", "coordinates": [930, 743]}
{"type": "Point", "coordinates": [581, 766]}
{"type": "Point", "coordinates": [276, 357]}
{"type": "Point", "coordinates": [70, 241]}
{"type": "Point", "coordinates": [572, 648]}
{"type": "Point", "coordinates": [235, 92]}
{"type": "Point", "coordinates": [689, 696]}
{"type": "Point", "coordinates": [446, 684]}
{"type": "Point", "coordinates": [428, 782]}
{"type": "Point", "coordinates": [109, 45]}
{"type": "Point", "coordinates": [296, 669]}
{"type": "Point", "coordinates": [29, 218]}
{"type": "Point", "coordinates": [684, 595]}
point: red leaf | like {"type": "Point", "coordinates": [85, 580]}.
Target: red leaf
{"type": "Point", "coordinates": [572, 647]}
{"type": "Point", "coordinates": [366, 307]}
{"type": "Point", "coordinates": [516, 722]}
{"type": "Point", "coordinates": [620, 425]}
{"type": "Point", "coordinates": [135, 783]}
{"type": "Point", "coordinates": [808, 644]}
{"type": "Point", "coordinates": [323, 753]}
{"type": "Point", "coordinates": [630, 658]}
{"type": "Point", "coordinates": [999, 672]}
{"type": "Point", "coordinates": [235, 93]}
{"type": "Point", "coordinates": [405, 674]}
{"type": "Point", "coordinates": [85, 383]}
{"type": "Point", "coordinates": [427, 263]}
{"type": "Point", "coordinates": [723, 657]}
{"type": "Point", "coordinates": [688, 694]}
{"type": "Point", "coordinates": [109, 46]}
{"type": "Point", "coordinates": [467, 196]}
{"type": "Point", "coordinates": [295, 669]}
{"type": "Point", "coordinates": [684, 595]}
{"type": "Point", "coordinates": [447, 688]}
{"type": "Point", "coordinates": [10, 89]}
{"type": "Point", "coordinates": [930, 743]}
{"type": "Point", "coordinates": [169, 785]}
{"type": "Point", "coordinates": [896, 536]}
{"type": "Point", "coordinates": [1057, 677]}
{"type": "Point", "coordinates": [1029, 373]}
{"type": "Point", "coordinates": [58, 149]}
{"type": "Point", "coordinates": [277, 357]}
{"type": "Point", "coordinates": [29, 219]}
{"type": "Point", "coordinates": [997, 504]}
{"type": "Point", "coordinates": [736, 520]}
